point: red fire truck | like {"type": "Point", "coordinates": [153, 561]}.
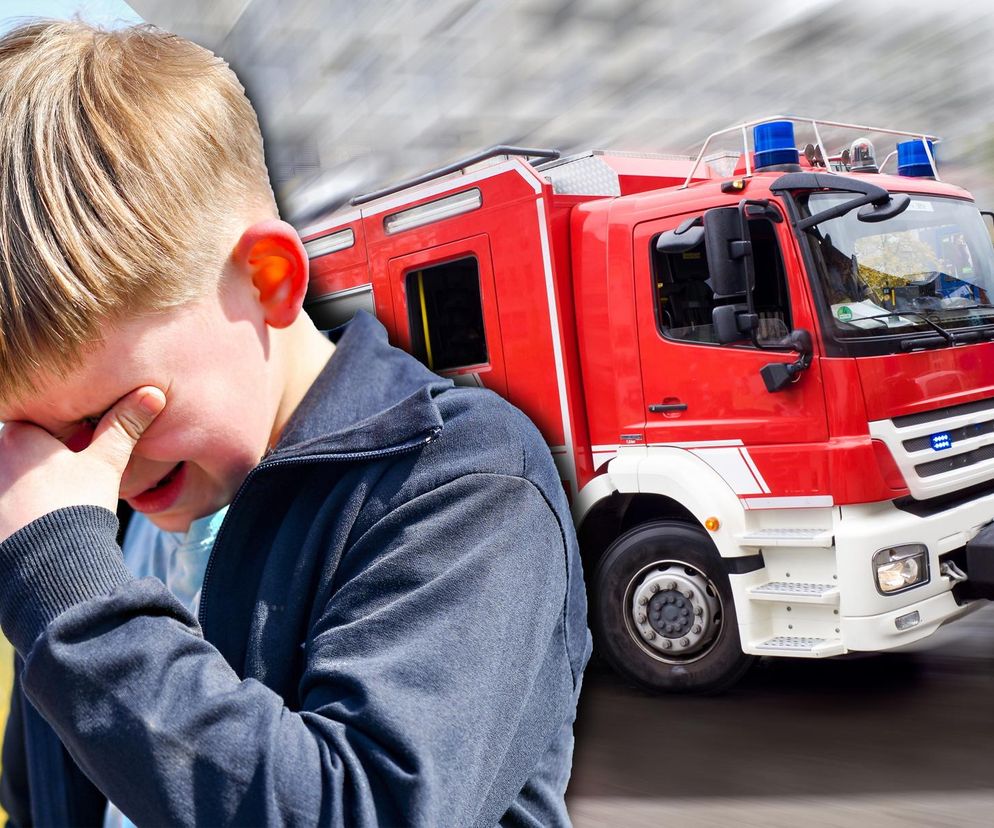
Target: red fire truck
{"type": "Point", "coordinates": [766, 376]}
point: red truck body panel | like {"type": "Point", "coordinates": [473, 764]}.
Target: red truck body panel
{"type": "Point", "coordinates": [569, 313]}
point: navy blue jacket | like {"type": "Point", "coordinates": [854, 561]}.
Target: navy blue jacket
{"type": "Point", "coordinates": [392, 628]}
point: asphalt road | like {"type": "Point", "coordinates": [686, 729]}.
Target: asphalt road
{"type": "Point", "coordinates": [903, 739]}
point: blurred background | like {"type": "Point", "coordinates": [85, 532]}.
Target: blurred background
{"type": "Point", "coordinates": [352, 95]}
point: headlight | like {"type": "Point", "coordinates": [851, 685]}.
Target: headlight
{"type": "Point", "coordinates": [901, 567]}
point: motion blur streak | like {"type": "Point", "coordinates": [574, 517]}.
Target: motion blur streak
{"type": "Point", "coordinates": [884, 741]}
{"type": "Point", "coordinates": [355, 94]}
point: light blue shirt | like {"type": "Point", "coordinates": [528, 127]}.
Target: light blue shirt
{"type": "Point", "coordinates": [179, 560]}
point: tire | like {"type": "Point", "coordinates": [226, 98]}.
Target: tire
{"type": "Point", "coordinates": [640, 602]}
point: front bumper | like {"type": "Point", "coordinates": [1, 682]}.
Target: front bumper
{"type": "Point", "coordinates": [862, 530]}
{"type": "Point", "coordinates": [879, 632]}
{"type": "Point", "coordinates": [855, 616]}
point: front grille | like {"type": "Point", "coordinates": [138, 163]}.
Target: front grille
{"type": "Point", "coordinates": [955, 461]}
{"type": "Point", "coordinates": [923, 417]}
{"type": "Point", "coordinates": [955, 435]}
{"type": "Point", "coordinates": [944, 450]}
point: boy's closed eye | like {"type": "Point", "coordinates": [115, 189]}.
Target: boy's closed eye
{"type": "Point", "coordinates": [82, 433]}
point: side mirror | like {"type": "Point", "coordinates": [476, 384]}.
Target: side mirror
{"type": "Point", "coordinates": [778, 375]}
{"type": "Point", "coordinates": [733, 322]}
{"type": "Point", "coordinates": [726, 251]}
{"type": "Point", "coordinates": [675, 241]}
{"type": "Point", "coordinates": [897, 204]}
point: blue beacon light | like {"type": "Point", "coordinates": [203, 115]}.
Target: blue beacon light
{"type": "Point", "coordinates": [912, 160]}
{"type": "Point", "coordinates": [774, 143]}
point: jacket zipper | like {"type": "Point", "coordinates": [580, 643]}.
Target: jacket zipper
{"type": "Point", "coordinates": [298, 461]}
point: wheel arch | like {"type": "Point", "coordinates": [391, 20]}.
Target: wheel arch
{"type": "Point", "coordinates": [612, 516]}
{"type": "Point", "coordinates": [662, 483]}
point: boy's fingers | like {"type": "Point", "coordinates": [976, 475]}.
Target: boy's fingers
{"type": "Point", "coordinates": [124, 424]}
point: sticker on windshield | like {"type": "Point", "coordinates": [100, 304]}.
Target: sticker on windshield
{"type": "Point", "coordinates": [921, 206]}
{"type": "Point", "coordinates": [844, 313]}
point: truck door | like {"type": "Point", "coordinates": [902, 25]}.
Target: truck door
{"type": "Point", "coordinates": [696, 390]}
{"type": "Point", "coordinates": [445, 306]}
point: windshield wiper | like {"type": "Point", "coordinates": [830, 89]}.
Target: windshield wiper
{"type": "Point", "coordinates": [924, 339]}
{"type": "Point", "coordinates": [949, 336]}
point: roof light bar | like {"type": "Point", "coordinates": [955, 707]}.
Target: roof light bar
{"type": "Point", "coordinates": [332, 243]}
{"type": "Point", "coordinates": [813, 123]}
{"type": "Point", "coordinates": [774, 143]}
{"type": "Point", "coordinates": [915, 158]}
{"type": "Point", "coordinates": [432, 211]}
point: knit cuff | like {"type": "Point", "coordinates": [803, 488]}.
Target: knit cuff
{"type": "Point", "coordinates": [54, 563]}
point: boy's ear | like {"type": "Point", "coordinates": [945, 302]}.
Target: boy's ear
{"type": "Point", "coordinates": [271, 254]}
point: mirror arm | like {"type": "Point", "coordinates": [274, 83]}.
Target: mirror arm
{"type": "Point", "coordinates": [686, 224]}
{"type": "Point", "coordinates": [745, 251]}
{"type": "Point", "coordinates": [834, 212]}
{"type": "Point", "coordinates": [778, 375]}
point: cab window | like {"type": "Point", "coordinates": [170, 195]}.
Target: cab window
{"type": "Point", "coordinates": [684, 300]}
{"type": "Point", "coordinates": [446, 315]}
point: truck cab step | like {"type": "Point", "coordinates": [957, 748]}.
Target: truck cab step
{"type": "Point", "coordinates": [799, 592]}
{"type": "Point", "coordinates": [800, 646]}
{"type": "Point", "coordinates": [787, 537]}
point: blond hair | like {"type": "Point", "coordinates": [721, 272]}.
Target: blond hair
{"type": "Point", "coordinates": [124, 156]}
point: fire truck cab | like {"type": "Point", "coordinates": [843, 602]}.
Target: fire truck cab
{"type": "Point", "coordinates": [766, 377]}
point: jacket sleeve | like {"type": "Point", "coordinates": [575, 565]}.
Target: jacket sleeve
{"type": "Point", "coordinates": [14, 795]}
{"type": "Point", "coordinates": [426, 671]}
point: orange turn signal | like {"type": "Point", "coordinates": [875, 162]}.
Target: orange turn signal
{"type": "Point", "coordinates": [712, 524]}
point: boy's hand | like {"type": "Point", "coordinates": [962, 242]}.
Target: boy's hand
{"type": "Point", "coordinates": [38, 474]}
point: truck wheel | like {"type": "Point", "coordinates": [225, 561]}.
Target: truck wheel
{"type": "Point", "coordinates": [663, 613]}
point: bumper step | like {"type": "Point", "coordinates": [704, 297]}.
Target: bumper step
{"type": "Point", "coordinates": [788, 537]}
{"type": "Point", "coordinates": [797, 592]}
{"type": "Point", "coordinates": [800, 646]}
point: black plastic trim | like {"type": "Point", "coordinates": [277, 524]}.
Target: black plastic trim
{"type": "Point", "coordinates": [743, 565]}
{"type": "Point", "coordinates": [943, 503]}
{"type": "Point", "coordinates": [922, 417]}
{"type": "Point", "coordinates": [826, 181]}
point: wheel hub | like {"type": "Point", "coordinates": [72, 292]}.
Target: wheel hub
{"type": "Point", "coordinates": [675, 610]}
{"type": "Point", "coordinates": [670, 614]}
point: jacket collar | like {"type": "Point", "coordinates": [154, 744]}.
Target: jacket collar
{"type": "Point", "coordinates": [370, 397]}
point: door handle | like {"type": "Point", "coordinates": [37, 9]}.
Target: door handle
{"type": "Point", "coordinates": [662, 408]}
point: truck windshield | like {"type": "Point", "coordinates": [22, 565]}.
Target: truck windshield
{"type": "Point", "coordinates": [930, 267]}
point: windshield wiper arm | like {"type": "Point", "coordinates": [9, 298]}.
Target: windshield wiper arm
{"type": "Point", "coordinates": [949, 336]}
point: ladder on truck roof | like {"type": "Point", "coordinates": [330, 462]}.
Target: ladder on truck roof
{"type": "Point", "coordinates": [456, 167]}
